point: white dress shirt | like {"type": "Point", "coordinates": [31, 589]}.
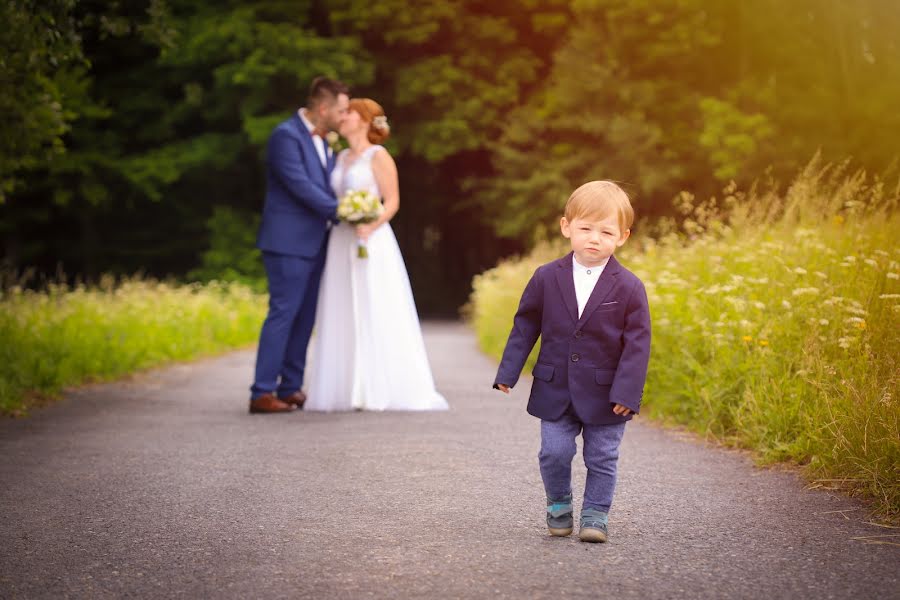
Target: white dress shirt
{"type": "Point", "coordinates": [318, 142]}
{"type": "Point", "coordinates": [585, 280]}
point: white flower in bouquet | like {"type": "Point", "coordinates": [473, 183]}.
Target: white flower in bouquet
{"type": "Point", "coordinates": [358, 207]}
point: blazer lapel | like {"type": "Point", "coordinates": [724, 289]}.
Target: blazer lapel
{"type": "Point", "coordinates": [566, 282]}
{"type": "Point", "coordinates": [313, 164]}
{"type": "Point", "coordinates": [604, 287]}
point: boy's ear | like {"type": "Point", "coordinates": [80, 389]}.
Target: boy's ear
{"type": "Point", "coordinates": [564, 227]}
{"type": "Point", "coordinates": [625, 235]}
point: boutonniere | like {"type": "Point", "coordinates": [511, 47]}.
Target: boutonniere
{"type": "Point", "coordinates": [333, 140]}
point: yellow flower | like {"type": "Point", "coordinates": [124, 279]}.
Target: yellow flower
{"type": "Point", "coordinates": [861, 324]}
{"type": "Point", "coordinates": [747, 338]}
{"type": "Point", "coordinates": [763, 342]}
{"type": "Point", "coordinates": [837, 219]}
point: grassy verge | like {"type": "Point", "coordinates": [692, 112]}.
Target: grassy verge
{"type": "Point", "coordinates": [66, 336]}
{"type": "Point", "coordinates": [775, 325]}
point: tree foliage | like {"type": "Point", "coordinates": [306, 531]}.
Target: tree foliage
{"type": "Point", "coordinates": [131, 127]}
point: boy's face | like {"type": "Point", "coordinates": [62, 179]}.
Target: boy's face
{"type": "Point", "coordinates": [594, 239]}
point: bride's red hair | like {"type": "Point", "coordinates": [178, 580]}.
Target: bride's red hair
{"type": "Point", "coordinates": [370, 110]}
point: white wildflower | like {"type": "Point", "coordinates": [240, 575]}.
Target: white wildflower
{"type": "Point", "coordinates": [823, 321]}
{"type": "Point", "coordinates": [845, 342]}
{"type": "Point", "coordinates": [759, 305]}
{"type": "Point", "coordinates": [786, 304]}
{"type": "Point", "coordinates": [855, 310]}
{"type": "Point", "coordinates": [807, 291]}
{"type": "Point", "coordinates": [820, 275]}
{"type": "Point", "coordinates": [800, 271]}
{"type": "Point", "coordinates": [871, 262]}
{"type": "Point", "coordinates": [893, 276]}
{"type": "Point", "coordinates": [854, 320]}
{"type": "Point", "coordinates": [889, 296]}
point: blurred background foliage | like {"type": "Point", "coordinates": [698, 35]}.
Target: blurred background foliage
{"type": "Point", "coordinates": [133, 130]}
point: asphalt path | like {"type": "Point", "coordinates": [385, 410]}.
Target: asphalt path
{"type": "Point", "coordinates": [162, 486]}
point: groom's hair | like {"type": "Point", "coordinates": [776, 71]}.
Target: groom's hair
{"type": "Point", "coordinates": [323, 89]}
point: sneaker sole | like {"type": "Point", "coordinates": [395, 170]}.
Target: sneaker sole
{"type": "Point", "coordinates": [592, 535]}
{"type": "Point", "coordinates": [559, 532]}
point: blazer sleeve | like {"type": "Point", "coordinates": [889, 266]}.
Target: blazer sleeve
{"type": "Point", "coordinates": [286, 164]}
{"type": "Point", "coordinates": [525, 332]}
{"type": "Point", "coordinates": [631, 374]}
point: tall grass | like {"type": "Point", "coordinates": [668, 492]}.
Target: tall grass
{"type": "Point", "coordinates": [775, 324]}
{"type": "Point", "coordinates": [68, 335]}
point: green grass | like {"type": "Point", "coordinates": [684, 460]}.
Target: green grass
{"type": "Point", "coordinates": [775, 325]}
{"type": "Point", "coordinates": [65, 336]}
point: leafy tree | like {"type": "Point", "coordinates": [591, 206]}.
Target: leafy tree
{"type": "Point", "coordinates": [41, 64]}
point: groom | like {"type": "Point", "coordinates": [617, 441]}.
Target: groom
{"type": "Point", "coordinates": [299, 209]}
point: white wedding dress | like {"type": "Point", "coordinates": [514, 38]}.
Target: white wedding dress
{"type": "Point", "coordinates": [368, 351]}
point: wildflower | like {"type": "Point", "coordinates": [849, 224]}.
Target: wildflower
{"type": "Point", "coordinates": [845, 342]}
{"type": "Point", "coordinates": [849, 258]}
{"type": "Point", "coordinates": [820, 275]}
{"type": "Point", "coordinates": [759, 305]}
{"type": "Point", "coordinates": [808, 291]}
{"type": "Point", "coordinates": [837, 219]}
{"type": "Point", "coordinates": [893, 276]}
{"type": "Point", "coordinates": [881, 253]}
{"type": "Point", "coordinates": [763, 342]}
{"type": "Point", "coordinates": [861, 324]}
{"type": "Point", "coordinates": [889, 296]}
{"type": "Point", "coordinates": [800, 271]}
{"type": "Point", "coordinates": [823, 321]}
{"type": "Point", "coordinates": [747, 338]}
{"type": "Point", "coordinates": [786, 304]}
{"type": "Point", "coordinates": [871, 262]}
{"type": "Point", "coordinates": [855, 310]}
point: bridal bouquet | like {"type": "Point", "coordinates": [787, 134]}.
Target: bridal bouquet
{"type": "Point", "coordinates": [357, 208]}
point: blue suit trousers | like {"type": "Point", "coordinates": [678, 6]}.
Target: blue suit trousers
{"type": "Point", "coordinates": [293, 295]}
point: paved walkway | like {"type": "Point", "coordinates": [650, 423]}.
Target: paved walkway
{"type": "Point", "coordinates": [164, 487]}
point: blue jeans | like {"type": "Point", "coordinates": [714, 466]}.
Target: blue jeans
{"type": "Point", "coordinates": [601, 453]}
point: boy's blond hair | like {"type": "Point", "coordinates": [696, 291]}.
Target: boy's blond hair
{"type": "Point", "coordinates": [599, 199]}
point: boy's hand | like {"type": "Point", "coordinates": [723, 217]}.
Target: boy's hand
{"type": "Point", "coordinates": [503, 388]}
{"type": "Point", "coordinates": [622, 411]}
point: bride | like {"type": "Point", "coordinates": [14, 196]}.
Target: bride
{"type": "Point", "coordinates": [368, 352]}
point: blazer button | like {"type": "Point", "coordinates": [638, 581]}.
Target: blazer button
{"type": "Point", "coordinates": [575, 357]}
{"type": "Point", "coordinates": [578, 334]}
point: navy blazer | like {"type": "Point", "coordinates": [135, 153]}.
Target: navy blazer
{"type": "Point", "coordinates": [299, 199]}
{"type": "Point", "coordinates": [591, 362]}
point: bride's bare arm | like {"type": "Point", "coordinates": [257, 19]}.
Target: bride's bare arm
{"type": "Point", "coordinates": [385, 170]}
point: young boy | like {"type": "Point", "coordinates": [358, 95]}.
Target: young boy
{"type": "Point", "coordinates": [594, 323]}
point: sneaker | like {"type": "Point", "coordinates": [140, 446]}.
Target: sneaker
{"type": "Point", "coordinates": [593, 526]}
{"type": "Point", "coordinates": [559, 516]}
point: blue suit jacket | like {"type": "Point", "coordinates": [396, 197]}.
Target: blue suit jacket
{"type": "Point", "coordinates": [299, 199]}
{"type": "Point", "coordinates": [591, 362]}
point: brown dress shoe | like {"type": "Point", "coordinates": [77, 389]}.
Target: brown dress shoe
{"type": "Point", "coordinates": [296, 399]}
{"type": "Point", "coordinates": [268, 403]}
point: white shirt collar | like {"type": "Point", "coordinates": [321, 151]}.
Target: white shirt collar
{"type": "Point", "coordinates": [580, 269]}
{"type": "Point", "coordinates": [309, 126]}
